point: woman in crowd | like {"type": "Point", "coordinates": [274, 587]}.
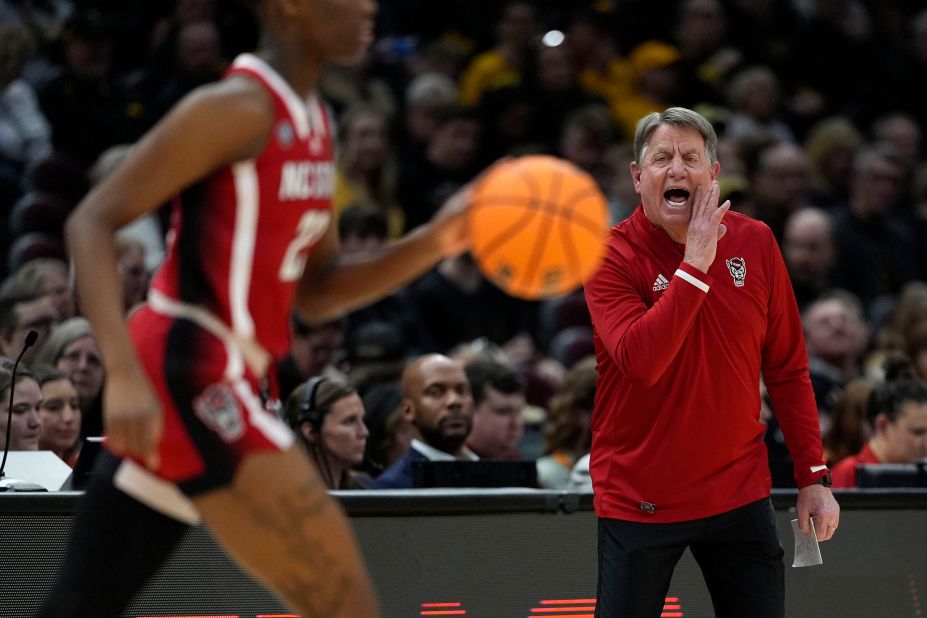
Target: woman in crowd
{"type": "Point", "coordinates": [25, 425]}
{"type": "Point", "coordinates": [72, 348]}
{"type": "Point", "coordinates": [60, 414]}
{"type": "Point", "coordinates": [567, 436]}
{"type": "Point", "coordinates": [328, 417]}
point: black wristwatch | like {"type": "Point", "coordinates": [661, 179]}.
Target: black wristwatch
{"type": "Point", "coordinates": [824, 480]}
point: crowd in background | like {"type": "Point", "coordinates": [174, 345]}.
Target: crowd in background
{"type": "Point", "coordinates": [816, 103]}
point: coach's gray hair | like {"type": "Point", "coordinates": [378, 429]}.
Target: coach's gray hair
{"type": "Point", "coordinates": [679, 117]}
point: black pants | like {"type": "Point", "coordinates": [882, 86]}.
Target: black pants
{"type": "Point", "coordinates": [116, 545]}
{"type": "Point", "coordinates": [738, 552]}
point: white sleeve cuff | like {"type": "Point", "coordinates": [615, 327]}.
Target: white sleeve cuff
{"type": "Point", "coordinates": [687, 277]}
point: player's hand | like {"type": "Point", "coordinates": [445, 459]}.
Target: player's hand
{"type": "Point", "coordinates": [817, 502]}
{"type": "Point", "coordinates": [132, 416]}
{"type": "Point", "coordinates": [705, 227]}
{"type": "Point", "coordinates": [449, 225]}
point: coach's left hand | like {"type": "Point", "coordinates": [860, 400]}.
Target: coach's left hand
{"type": "Point", "coordinates": [817, 502]}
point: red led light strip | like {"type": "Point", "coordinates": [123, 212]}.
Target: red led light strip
{"type": "Point", "coordinates": [431, 609]}
{"type": "Point", "coordinates": [671, 608]}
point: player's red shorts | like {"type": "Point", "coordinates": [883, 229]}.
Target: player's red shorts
{"type": "Point", "coordinates": [213, 415]}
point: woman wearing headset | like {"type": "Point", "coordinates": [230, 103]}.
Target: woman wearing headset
{"type": "Point", "coordinates": [328, 417]}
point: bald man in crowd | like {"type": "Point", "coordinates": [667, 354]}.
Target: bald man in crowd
{"type": "Point", "coordinates": [437, 402]}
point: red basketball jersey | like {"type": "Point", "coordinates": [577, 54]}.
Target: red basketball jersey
{"type": "Point", "coordinates": [240, 238]}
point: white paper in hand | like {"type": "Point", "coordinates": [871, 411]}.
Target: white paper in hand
{"type": "Point", "coordinates": [807, 550]}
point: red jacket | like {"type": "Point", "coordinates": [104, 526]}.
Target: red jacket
{"type": "Point", "coordinates": [676, 429]}
{"type": "Point", "coordinates": [844, 473]}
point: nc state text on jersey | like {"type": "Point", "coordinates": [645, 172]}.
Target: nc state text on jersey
{"type": "Point", "coordinates": [302, 180]}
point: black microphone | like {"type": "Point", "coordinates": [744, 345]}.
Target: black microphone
{"type": "Point", "coordinates": [31, 337]}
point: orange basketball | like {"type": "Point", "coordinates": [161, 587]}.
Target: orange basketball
{"type": "Point", "coordinates": [538, 226]}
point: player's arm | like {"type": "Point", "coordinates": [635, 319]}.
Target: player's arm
{"type": "Point", "coordinates": [332, 284]}
{"type": "Point", "coordinates": [217, 125]}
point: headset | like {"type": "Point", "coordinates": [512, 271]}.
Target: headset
{"type": "Point", "coordinates": [308, 412]}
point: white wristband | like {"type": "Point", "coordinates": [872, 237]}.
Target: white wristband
{"type": "Point", "coordinates": [687, 277]}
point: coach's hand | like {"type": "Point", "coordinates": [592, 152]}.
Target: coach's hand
{"type": "Point", "coordinates": [817, 502]}
{"type": "Point", "coordinates": [132, 416]}
{"type": "Point", "coordinates": [705, 227]}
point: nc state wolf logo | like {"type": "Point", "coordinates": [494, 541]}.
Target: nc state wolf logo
{"type": "Point", "coordinates": [738, 268]}
{"type": "Point", "coordinates": [218, 408]}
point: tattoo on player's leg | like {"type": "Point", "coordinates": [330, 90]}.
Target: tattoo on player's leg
{"type": "Point", "coordinates": [295, 518]}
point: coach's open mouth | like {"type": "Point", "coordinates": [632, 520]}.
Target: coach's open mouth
{"type": "Point", "coordinates": [676, 197]}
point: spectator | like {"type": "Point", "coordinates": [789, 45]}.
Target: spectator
{"type": "Point", "coordinates": [365, 174]}
{"type": "Point", "coordinates": [376, 354]}
{"type": "Point", "coordinates": [328, 417]}
{"type": "Point", "coordinates": [849, 431]}
{"type": "Point", "coordinates": [840, 72]}
{"type": "Point", "coordinates": [87, 108]}
{"type": "Point", "coordinates": [619, 189]}
{"type": "Point", "coordinates": [26, 426]}
{"type": "Point", "coordinates": [755, 100]}
{"type": "Point", "coordinates": [25, 135]}
{"type": "Point", "coordinates": [197, 60]}
{"type": "Point", "coordinates": [363, 232]}
{"type": "Point", "coordinates": [836, 336]}
{"type": "Point", "coordinates": [130, 258]}
{"type": "Point", "coordinates": [584, 138]}
{"type": "Point", "coordinates": [312, 352]}
{"type": "Point", "coordinates": [832, 145]}
{"type": "Point", "coordinates": [909, 311]}
{"type": "Point", "coordinates": [568, 435]}
{"type": "Point", "coordinates": [60, 414]}
{"type": "Point", "coordinates": [903, 135]}
{"type": "Point", "coordinates": [809, 252]}
{"type": "Point", "coordinates": [438, 404]}
{"type": "Point", "coordinates": [897, 414]}
{"type": "Point", "coordinates": [47, 277]}
{"type": "Point", "coordinates": [877, 253]}
{"type": "Point", "coordinates": [592, 38]}
{"type": "Point", "coordinates": [701, 34]}
{"type": "Point", "coordinates": [450, 161]}
{"type": "Point", "coordinates": [504, 64]}
{"type": "Point", "coordinates": [452, 299]}
{"type": "Point", "coordinates": [21, 312]}
{"type": "Point", "coordinates": [654, 86]}
{"type": "Point", "coordinates": [390, 432]}
{"type": "Point", "coordinates": [761, 32]}
{"type": "Point", "coordinates": [425, 96]}
{"type": "Point", "coordinates": [779, 183]}
{"type": "Point", "coordinates": [73, 349]}
{"type": "Point", "coordinates": [555, 80]}
{"type": "Point", "coordinates": [499, 404]}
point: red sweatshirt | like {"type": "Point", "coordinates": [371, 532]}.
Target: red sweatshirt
{"type": "Point", "coordinates": [844, 473]}
{"type": "Point", "coordinates": [676, 429]}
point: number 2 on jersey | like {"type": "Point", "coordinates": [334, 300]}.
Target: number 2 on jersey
{"type": "Point", "coordinates": [310, 228]}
